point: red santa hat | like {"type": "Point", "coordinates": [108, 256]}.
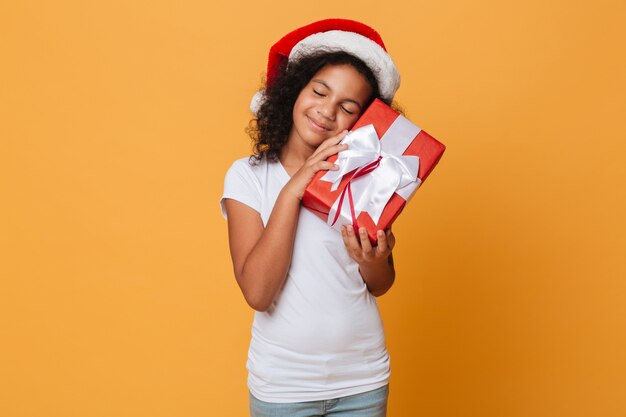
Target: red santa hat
{"type": "Point", "coordinates": [334, 35]}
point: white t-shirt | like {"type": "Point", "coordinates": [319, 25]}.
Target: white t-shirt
{"type": "Point", "coordinates": [322, 337]}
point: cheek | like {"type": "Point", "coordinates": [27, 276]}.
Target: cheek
{"type": "Point", "coordinates": [300, 106]}
{"type": "Point", "coordinates": [296, 106]}
{"type": "Point", "coordinates": [346, 121]}
{"type": "Point", "coordinates": [296, 114]}
{"type": "Point", "coordinates": [300, 99]}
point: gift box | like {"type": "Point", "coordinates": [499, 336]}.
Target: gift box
{"type": "Point", "coordinates": [387, 159]}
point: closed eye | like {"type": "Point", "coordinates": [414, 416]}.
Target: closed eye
{"type": "Point", "coordinates": [318, 93]}
{"type": "Point", "coordinates": [346, 110]}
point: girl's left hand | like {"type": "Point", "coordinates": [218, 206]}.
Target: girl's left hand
{"type": "Point", "coordinates": [361, 250]}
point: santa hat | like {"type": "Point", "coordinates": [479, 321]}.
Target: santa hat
{"type": "Point", "coordinates": [334, 35]}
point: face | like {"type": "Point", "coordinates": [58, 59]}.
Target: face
{"type": "Point", "coordinates": [332, 101]}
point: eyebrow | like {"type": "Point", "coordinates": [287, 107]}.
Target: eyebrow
{"type": "Point", "coordinates": [317, 80]}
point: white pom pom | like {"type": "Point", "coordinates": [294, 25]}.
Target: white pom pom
{"type": "Point", "coordinates": [257, 100]}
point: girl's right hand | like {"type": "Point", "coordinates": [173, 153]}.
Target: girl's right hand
{"type": "Point", "coordinates": [316, 162]}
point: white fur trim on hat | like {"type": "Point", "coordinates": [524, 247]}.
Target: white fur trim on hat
{"type": "Point", "coordinates": [257, 100]}
{"type": "Point", "coordinates": [374, 56]}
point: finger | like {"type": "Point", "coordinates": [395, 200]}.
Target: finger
{"type": "Point", "coordinates": [324, 165]}
{"type": "Point", "coordinates": [352, 239]}
{"type": "Point", "coordinates": [391, 239]}
{"type": "Point", "coordinates": [322, 155]}
{"type": "Point", "coordinates": [365, 241]}
{"type": "Point", "coordinates": [382, 241]}
{"type": "Point", "coordinates": [337, 138]}
{"type": "Point", "coordinates": [329, 151]}
{"type": "Point", "coordinates": [332, 141]}
{"type": "Point", "coordinates": [344, 236]}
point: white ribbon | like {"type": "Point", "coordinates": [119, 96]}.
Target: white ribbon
{"type": "Point", "coordinates": [396, 173]}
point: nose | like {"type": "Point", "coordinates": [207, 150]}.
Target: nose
{"type": "Point", "coordinates": [327, 110]}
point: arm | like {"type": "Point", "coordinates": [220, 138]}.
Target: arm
{"type": "Point", "coordinates": [375, 264]}
{"type": "Point", "coordinates": [261, 256]}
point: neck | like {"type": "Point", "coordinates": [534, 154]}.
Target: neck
{"type": "Point", "coordinates": [294, 153]}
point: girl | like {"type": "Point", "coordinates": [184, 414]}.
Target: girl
{"type": "Point", "coordinates": [318, 346]}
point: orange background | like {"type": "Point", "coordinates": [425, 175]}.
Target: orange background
{"type": "Point", "coordinates": [119, 119]}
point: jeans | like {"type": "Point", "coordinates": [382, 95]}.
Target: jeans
{"type": "Point", "coordinates": [367, 404]}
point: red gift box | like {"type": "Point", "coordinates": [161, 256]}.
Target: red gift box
{"type": "Point", "coordinates": [331, 194]}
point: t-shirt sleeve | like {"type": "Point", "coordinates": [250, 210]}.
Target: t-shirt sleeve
{"type": "Point", "coordinates": [242, 185]}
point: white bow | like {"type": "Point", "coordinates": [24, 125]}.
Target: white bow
{"type": "Point", "coordinates": [389, 171]}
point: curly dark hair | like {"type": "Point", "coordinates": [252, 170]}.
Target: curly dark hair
{"type": "Point", "coordinates": [270, 129]}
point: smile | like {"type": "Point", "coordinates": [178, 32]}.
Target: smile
{"type": "Point", "coordinates": [317, 126]}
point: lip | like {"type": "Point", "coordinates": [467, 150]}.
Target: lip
{"type": "Point", "coordinates": [317, 125]}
